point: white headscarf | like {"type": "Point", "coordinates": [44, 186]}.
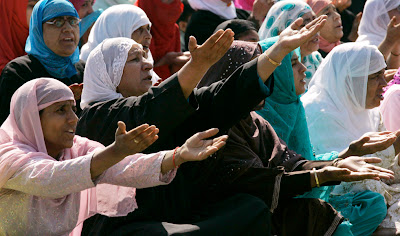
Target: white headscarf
{"type": "Point", "coordinates": [217, 7]}
{"type": "Point", "coordinates": [335, 101]}
{"type": "Point", "coordinates": [375, 19]}
{"type": "Point", "coordinates": [103, 70]}
{"type": "Point", "coordinates": [104, 4]}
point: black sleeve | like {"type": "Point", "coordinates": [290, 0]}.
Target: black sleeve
{"type": "Point", "coordinates": [224, 103]}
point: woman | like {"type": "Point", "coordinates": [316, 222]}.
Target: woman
{"type": "Point", "coordinates": [332, 32]}
{"type": "Point", "coordinates": [15, 16]}
{"type": "Point", "coordinates": [279, 17]}
{"type": "Point", "coordinates": [121, 21]}
{"type": "Point", "coordinates": [248, 145]}
{"type": "Point", "coordinates": [46, 169]}
{"type": "Point", "coordinates": [165, 45]}
{"type": "Point", "coordinates": [52, 48]}
{"type": "Point", "coordinates": [340, 106]}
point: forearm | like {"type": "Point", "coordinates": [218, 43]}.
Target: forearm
{"type": "Point", "coordinates": [393, 61]}
{"type": "Point", "coordinates": [190, 75]}
{"type": "Point", "coordinates": [264, 66]}
{"type": "Point", "coordinates": [170, 162]}
{"type": "Point", "coordinates": [104, 159]}
{"type": "Point", "coordinates": [386, 47]}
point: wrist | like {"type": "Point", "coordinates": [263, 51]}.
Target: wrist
{"type": "Point", "coordinates": [178, 160]}
{"type": "Point", "coordinates": [346, 153]}
{"type": "Point", "coordinates": [117, 152]}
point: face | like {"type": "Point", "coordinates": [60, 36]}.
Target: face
{"type": "Point", "coordinates": [299, 75]}
{"type": "Point", "coordinates": [375, 85]}
{"type": "Point", "coordinates": [313, 44]}
{"type": "Point", "coordinates": [58, 124]}
{"type": "Point", "coordinates": [136, 78]}
{"type": "Point", "coordinates": [249, 36]}
{"type": "Point", "coordinates": [86, 8]}
{"type": "Point", "coordinates": [332, 30]}
{"type": "Point", "coordinates": [29, 9]}
{"type": "Point", "coordinates": [62, 41]}
{"type": "Point", "coordinates": [142, 36]}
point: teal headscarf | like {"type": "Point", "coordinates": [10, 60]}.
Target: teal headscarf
{"type": "Point", "coordinates": [55, 65]}
{"type": "Point", "coordinates": [284, 110]}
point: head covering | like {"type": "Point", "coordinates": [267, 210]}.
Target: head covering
{"type": "Point", "coordinates": [22, 129]}
{"type": "Point", "coordinates": [284, 110]}
{"type": "Point", "coordinates": [219, 8]}
{"type": "Point", "coordinates": [13, 31]}
{"type": "Point", "coordinates": [317, 6]}
{"type": "Point", "coordinates": [239, 53]}
{"type": "Point", "coordinates": [373, 26]}
{"type": "Point", "coordinates": [104, 70]}
{"type": "Point", "coordinates": [336, 97]}
{"type": "Point", "coordinates": [165, 32]}
{"type": "Point", "coordinates": [88, 21]}
{"type": "Point", "coordinates": [44, 10]}
{"type": "Point", "coordinates": [78, 3]}
{"type": "Point", "coordinates": [238, 26]}
{"type": "Point", "coordinates": [104, 4]}
{"type": "Point", "coordinates": [279, 17]}
{"type": "Point", "coordinates": [244, 4]}
{"type": "Point", "coordinates": [117, 21]}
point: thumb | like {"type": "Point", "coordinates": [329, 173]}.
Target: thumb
{"type": "Point", "coordinates": [392, 21]}
{"type": "Point", "coordinates": [192, 44]}
{"type": "Point", "coordinates": [121, 128]}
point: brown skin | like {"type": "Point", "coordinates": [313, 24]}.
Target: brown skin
{"type": "Point", "coordinates": [313, 44]}
{"type": "Point", "coordinates": [142, 36]}
{"type": "Point", "coordinates": [86, 8]}
{"type": "Point", "coordinates": [298, 74]}
{"type": "Point", "coordinates": [333, 30]}
{"type": "Point", "coordinates": [62, 41]}
{"type": "Point", "coordinates": [375, 85]}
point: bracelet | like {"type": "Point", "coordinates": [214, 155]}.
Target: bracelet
{"type": "Point", "coordinates": [396, 55]}
{"type": "Point", "coordinates": [173, 158]}
{"type": "Point", "coordinates": [273, 62]}
{"type": "Point", "coordinates": [336, 161]}
{"type": "Point", "coordinates": [316, 177]}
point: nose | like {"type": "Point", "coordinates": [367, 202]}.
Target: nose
{"type": "Point", "coordinates": [147, 64]}
{"type": "Point", "coordinates": [148, 34]}
{"type": "Point", "coordinates": [382, 81]}
{"type": "Point", "coordinates": [90, 9]}
{"type": "Point", "coordinates": [72, 117]}
{"type": "Point", "coordinates": [303, 68]}
{"type": "Point", "coordinates": [337, 15]}
{"type": "Point", "coordinates": [67, 27]}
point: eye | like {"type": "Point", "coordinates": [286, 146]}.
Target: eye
{"type": "Point", "coordinates": [73, 21]}
{"type": "Point", "coordinates": [59, 22]}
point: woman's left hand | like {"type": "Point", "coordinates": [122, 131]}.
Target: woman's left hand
{"type": "Point", "coordinates": [197, 148]}
{"type": "Point", "coordinates": [362, 164]}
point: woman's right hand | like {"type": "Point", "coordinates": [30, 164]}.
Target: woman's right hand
{"type": "Point", "coordinates": [135, 140]}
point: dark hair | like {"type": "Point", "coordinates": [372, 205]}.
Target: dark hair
{"type": "Point", "coordinates": [187, 12]}
{"type": "Point", "coordinates": [238, 26]}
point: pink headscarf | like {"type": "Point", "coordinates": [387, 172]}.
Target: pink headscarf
{"type": "Point", "coordinates": [317, 6]}
{"type": "Point", "coordinates": [78, 3]}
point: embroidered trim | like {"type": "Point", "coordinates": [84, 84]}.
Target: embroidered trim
{"type": "Point", "coordinates": [277, 188]}
{"type": "Point", "coordinates": [334, 225]}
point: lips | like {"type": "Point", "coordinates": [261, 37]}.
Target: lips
{"type": "Point", "coordinates": [148, 78]}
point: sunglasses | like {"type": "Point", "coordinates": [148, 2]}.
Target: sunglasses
{"type": "Point", "coordinates": [60, 21]}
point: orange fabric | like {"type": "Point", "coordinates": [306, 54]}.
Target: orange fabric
{"type": "Point", "coordinates": [165, 32]}
{"type": "Point", "coordinates": [14, 30]}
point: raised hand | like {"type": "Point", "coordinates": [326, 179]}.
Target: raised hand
{"type": "Point", "coordinates": [212, 50]}
{"type": "Point", "coordinates": [362, 165]}
{"type": "Point", "coordinates": [197, 148]}
{"type": "Point", "coordinates": [294, 36]}
{"type": "Point", "coordinates": [372, 142]}
{"type": "Point", "coordinates": [135, 140]}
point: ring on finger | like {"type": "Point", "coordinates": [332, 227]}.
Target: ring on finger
{"type": "Point", "coordinates": [134, 140]}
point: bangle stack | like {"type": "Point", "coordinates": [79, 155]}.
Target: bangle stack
{"type": "Point", "coordinates": [173, 158]}
{"type": "Point", "coordinates": [316, 177]}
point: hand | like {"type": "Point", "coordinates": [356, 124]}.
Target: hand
{"type": "Point", "coordinates": [196, 148]}
{"type": "Point", "coordinates": [361, 165]}
{"type": "Point", "coordinates": [353, 35]}
{"type": "Point", "coordinates": [331, 173]}
{"type": "Point", "coordinates": [371, 142]}
{"type": "Point", "coordinates": [294, 36]}
{"type": "Point", "coordinates": [135, 140]}
{"type": "Point", "coordinates": [389, 74]}
{"type": "Point", "coordinates": [393, 32]}
{"type": "Point", "coordinates": [211, 50]}
{"type": "Point", "coordinates": [76, 90]}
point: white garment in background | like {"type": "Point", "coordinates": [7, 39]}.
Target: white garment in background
{"type": "Point", "coordinates": [217, 7]}
{"type": "Point", "coordinates": [374, 21]}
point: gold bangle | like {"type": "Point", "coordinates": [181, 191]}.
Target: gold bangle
{"type": "Point", "coordinates": [273, 62]}
{"type": "Point", "coordinates": [316, 177]}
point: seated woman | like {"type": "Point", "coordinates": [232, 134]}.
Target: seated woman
{"type": "Point", "coordinates": [287, 12]}
{"type": "Point", "coordinates": [15, 16]}
{"type": "Point", "coordinates": [332, 32]}
{"type": "Point", "coordinates": [227, 100]}
{"type": "Point", "coordinates": [127, 21]}
{"type": "Point", "coordinates": [378, 25]}
{"type": "Point", "coordinates": [52, 48]}
{"type": "Point", "coordinates": [46, 170]}
{"type": "Point", "coordinates": [367, 209]}
{"type": "Point", "coordinates": [340, 106]}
